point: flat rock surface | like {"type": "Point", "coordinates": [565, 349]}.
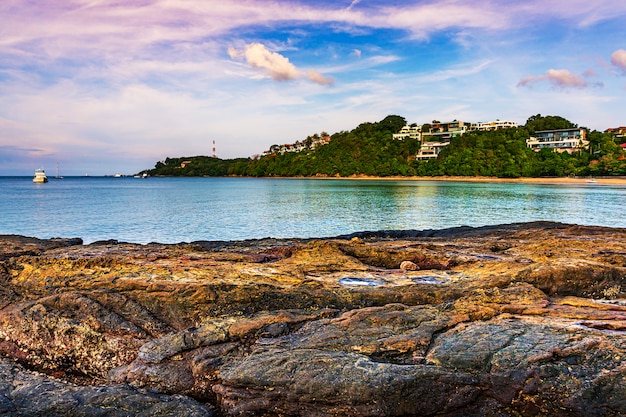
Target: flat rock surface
{"type": "Point", "coordinates": [513, 320]}
{"type": "Point", "coordinates": [25, 393]}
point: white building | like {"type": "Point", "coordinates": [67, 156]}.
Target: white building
{"type": "Point", "coordinates": [561, 140]}
{"type": "Point", "coordinates": [298, 146]}
{"type": "Point", "coordinates": [408, 132]}
{"type": "Point", "coordinates": [430, 150]}
{"type": "Point", "coordinates": [495, 125]}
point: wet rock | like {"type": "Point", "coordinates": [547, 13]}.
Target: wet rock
{"type": "Point", "coordinates": [14, 245]}
{"type": "Point", "coordinates": [212, 332]}
{"type": "Point", "coordinates": [181, 362]}
{"type": "Point", "coordinates": [72, 333]}
{"type": "Point", "coordinates": [311, 382]}
{"type": "Point", "coordinates": [361, 281]}
{"type": "Point", "coordinates": [429, 279]}
{"type": "Point", "coordinates": [539, 366]}
{"type": "Point", "coordinates": [392, 333]}
{"type": "Point", "coordinates": [575, 277]}
{"type": "Point", "coordinates": [25, 394]}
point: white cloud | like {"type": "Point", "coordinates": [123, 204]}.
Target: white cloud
{"type": "Point", "coordinates": [354, 3]}
{"type": "Point", "coordinates": [455, 72]}
{"type": "Point", "coordinates": [275, 65]}
{"type": "Point", "coordinates": [278, 66]}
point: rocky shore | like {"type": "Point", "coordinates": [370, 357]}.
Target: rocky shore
{"type": "Point", "coordinates": [513, 320]}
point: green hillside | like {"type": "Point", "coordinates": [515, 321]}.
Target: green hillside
{"type": "Point", "coordinates": [369, 149]}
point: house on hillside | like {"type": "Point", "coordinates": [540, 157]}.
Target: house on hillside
{"type": "Point", "coordinates": [561, 140]}
{"type": "Point", "coordinates": [430, 150]}
{"type": "Point", "coordinates": [444, 132]}
{"type": "Point", "coordinates": [618, 132]}
{"type": "Point", "coordinates": [298, 146]}
{"type": "Point", "coordinates": [408, 132]}
{"type": "Point", "coordinates": [495, 125]}
{"type": "Point", "coordinates": [438, 137]}
{"type": "Point", "coordinates": [324, 140]}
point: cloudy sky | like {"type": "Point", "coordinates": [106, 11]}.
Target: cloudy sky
{"type": "Point", "coordinates": [106, 86]}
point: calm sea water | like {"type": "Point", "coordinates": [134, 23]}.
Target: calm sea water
{"type": "Point", "coordinates": [171, 210]}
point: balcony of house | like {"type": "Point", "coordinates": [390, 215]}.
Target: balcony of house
{"type": "Point", "coordinates": [494, 125]}
{"type": "Point", "coordinates": [563, 140]}
{"type": "Point", "coordinates": [444, 132]}
{"type": "Point", "coordinates": [430, 150]}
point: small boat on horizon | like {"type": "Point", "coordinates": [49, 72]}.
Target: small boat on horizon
{"type": "Point", "coordinates": [57, 175]}
{"type": "Point", "coordinates": [40, 176]}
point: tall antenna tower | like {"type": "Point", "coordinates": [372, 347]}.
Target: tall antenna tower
{"type": "Point", "coordinates": [214, 153]}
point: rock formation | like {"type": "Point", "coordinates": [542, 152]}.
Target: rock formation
{"type": "Point", "coordinates": [512, 320]}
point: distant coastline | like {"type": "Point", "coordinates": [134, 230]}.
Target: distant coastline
{"type": "Point", "coordinates": [382, 150]}
{"type": "Point", "coordinates": [529, 180]}
{"type": "Point", "coordinates": [619, 181]}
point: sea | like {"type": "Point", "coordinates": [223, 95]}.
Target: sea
{"type": "Point", "coordinates": [174, 210]}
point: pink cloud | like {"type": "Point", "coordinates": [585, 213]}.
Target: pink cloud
{"type": "Point", "coordinates": [590, 73]}
{"type": "Point", "coordinates": [275, 65]}
{"type": "Point", "coordinates": [316, 77]}
{"type": "Point", "coordinates": [564, 78]}
{"type": "Point", "coordinates": [559, 78]}
{"type": "Point", "coordinates": [618, 58]}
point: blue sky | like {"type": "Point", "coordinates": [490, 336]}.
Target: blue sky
{"type": "Point", "coordinates": [103, 86]}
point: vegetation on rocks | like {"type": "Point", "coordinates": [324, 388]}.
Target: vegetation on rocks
{"type": "Point", "coordinates": [370, 150]}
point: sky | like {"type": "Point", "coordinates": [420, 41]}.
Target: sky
{"type": "Point", "coordinates": [108, 86]}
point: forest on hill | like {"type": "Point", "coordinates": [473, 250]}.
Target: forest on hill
{"type": "Point", "coordinates": [370, 150]}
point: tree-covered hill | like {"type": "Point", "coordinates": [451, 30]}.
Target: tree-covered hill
{"type": "Point", "coordinates": [370, 149]}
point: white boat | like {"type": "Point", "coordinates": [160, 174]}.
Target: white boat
{"type": "Point", "coordinates": [40, 176]}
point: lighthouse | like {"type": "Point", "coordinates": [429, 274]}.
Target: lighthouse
{"type": "Point", "coordinates": [214, 155]}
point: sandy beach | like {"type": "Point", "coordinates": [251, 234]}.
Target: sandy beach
{"type": "Point", "coordinates": [552, 180]}
{"type": "Point", "coordinates": [613, 181]}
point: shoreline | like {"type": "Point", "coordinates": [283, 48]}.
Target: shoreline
{"type": "Point", "coordinates": [617, 181]}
